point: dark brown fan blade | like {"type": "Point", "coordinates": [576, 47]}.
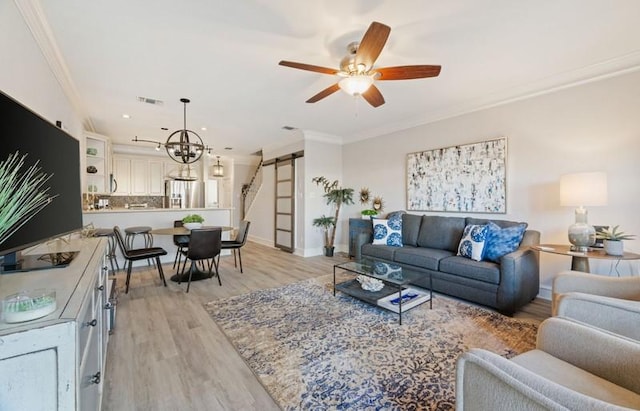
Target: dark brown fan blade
{"type": "Point", "coordinates": [407, 72]}
{"type": "Point", "coordinates": [308, 67]}
{"type": "Point", "coordinates": [373, 96]}
{"type": "Point", "coordinates": [372, 43]}
{"type": "Point", "coordinates": [324, 93]}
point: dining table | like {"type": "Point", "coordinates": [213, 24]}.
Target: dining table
{"type": "Point", "coordinates": [198, 274]}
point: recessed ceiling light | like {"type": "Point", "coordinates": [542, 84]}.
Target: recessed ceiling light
{"type": "Point", "coordinates": [164, 128]}
{"type": "Point", "coordinates": [288, 128]}
{"type": "Point", "coordinates": [203, 128]}
{"type": "Point", "coordinates": [126, 116]}
{"type": "Point", "coordinates": [228, 148]}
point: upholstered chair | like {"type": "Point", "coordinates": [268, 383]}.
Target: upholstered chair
{"type": "Point", "coordinates": [574, 367]}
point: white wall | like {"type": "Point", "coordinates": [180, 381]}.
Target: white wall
{"type": "Point", "coordinates": [26, 76]}
{"type": "Point", "coordinates": [591, 127]}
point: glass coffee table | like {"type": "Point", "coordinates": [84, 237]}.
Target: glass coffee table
{"type": "Point", "coordinates": [397, 295]}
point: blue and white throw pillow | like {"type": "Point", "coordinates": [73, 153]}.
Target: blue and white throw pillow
{"type": "Point", "coordinates": [390, 270]}
{"type": "Point", "coordinates": [502, 241]}
{"type": "Point", "coordinates": [388, 232]}
{"type": "Point", "coordinates": [472, 242]}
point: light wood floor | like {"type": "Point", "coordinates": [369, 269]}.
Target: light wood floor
{"type": "Point", "coordinates": [167, 354]}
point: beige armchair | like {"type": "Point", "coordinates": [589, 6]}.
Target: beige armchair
{"type": "Point", "coordinates": [610, 303]}
{"type": "Point", "coordinates": [626, 288]}
{"type": "Point", "coordinates": [574, 367]}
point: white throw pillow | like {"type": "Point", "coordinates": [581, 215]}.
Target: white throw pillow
{"type": "Point", "coordinates": [472, 242]}
{"type": "Point", "coordinates": [388, 232]}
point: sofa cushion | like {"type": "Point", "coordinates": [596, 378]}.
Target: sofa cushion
{"type": "Point", "coordinates": [388, 232]}
{"type": "Point", "coordinates": [499, 223]}
{"type": "Point", "coordinates": [485, 271]}
{"type": "Point", "coordinates": [384, 252]}
{"type": "Point", "coordinates": [502, 241]}
{"type": "Point", "coordinates": [472, 241]}
{"type": "Point", "coordinates": [410, 229]}
{"type": "Point", "coordinates": [440, 232]}
{"type": "Point", "coordinates": [422, 257]}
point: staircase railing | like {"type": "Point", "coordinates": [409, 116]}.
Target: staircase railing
{"type": "Point", "coordinates": [249, 191]}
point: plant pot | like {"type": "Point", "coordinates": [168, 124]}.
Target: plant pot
{"type": "Point", "coordinates": [328, 251]}
{"type": "Point", "coordinates": [192, 226]}
{"type": "Point", "coordinates": [612, 247]}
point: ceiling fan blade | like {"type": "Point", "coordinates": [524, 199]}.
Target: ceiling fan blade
{"type": "Point", "coordinates": [372, 43]}
{"type": "Point", "coordinates": [373, 96]}
{"type": "Point", "coordinates": [407, 72]}
{"type": "Point", "coordinates": [308, 67]}
{"type": "Point", "coordinates": [324, 93]}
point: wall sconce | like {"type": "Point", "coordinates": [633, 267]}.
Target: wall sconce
{"type": "Point", "coordinates": [583, 189]}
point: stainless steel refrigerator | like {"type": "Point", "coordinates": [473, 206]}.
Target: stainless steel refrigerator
{"type": "Point", "coordinates": [183, 194]}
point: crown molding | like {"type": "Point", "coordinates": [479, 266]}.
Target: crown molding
{"type": "Point", "coordinates": [35, 19]}
{"type": "Point", "coordinates": [603, 70]}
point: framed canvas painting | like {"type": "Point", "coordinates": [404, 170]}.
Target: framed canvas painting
{"type": "Point", "coordinates": [468, 178]}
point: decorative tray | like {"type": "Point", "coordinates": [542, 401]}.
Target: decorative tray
{"type": "Point", "coordinates": [28, 305]}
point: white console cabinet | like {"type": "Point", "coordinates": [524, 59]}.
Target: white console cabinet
{"type": "Point", "coordinates": [57, 362]}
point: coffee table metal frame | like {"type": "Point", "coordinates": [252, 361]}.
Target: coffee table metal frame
{"type": "Point", "coordinates": [365, 267]}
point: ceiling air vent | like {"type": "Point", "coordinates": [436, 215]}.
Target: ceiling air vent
{"type": "Point", "coordinates": [150, 101]}
{"type": "Point", "coordinates": [288, 128]}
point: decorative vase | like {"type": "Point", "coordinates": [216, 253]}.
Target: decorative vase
{"type": "Point", "coordinates": [614, 247]}
{"type": "Point", "coordinates": [328, 251]}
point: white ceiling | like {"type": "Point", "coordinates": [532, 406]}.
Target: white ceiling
{"type": "Point", "coordinates": [224, 54]}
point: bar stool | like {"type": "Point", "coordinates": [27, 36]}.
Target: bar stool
{"type": "Point", "coordinates": [111, 250]}
{"type": "Point", "coordinates": [132, 232]}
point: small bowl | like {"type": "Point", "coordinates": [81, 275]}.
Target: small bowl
{"type": "Point", "coordinates": [28, 305]}
{"type": "Point", "coordinates": [192, 226]}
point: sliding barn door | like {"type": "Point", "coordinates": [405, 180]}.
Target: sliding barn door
{"type": "Point", "coordinates": [285, 204]}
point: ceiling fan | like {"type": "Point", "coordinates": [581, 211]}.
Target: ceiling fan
{"type": "Point", "coordinates": [357, 71]}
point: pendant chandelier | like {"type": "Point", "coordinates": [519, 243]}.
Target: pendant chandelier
{"type": "Point", "coordinates": [217, 169]}
{"type": "Point", "coordinates": [183, 146]}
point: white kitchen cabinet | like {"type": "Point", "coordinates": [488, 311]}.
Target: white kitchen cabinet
{"type": "Point", "coordinates": [96, 164]}
{"type": "Point", "coordinates": [57, 362]}
{"type": "Point", "coordinates": [122, 175]}
{"type": "Point", "coordinates": [139, 176]}
{"type": "Point", "coordinates": [156, 177]}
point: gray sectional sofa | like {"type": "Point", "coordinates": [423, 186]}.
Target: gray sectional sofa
{"type": "Point", "coordinates": [430, 245]}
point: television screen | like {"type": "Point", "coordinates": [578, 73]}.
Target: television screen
{"type": "Point", "coordinates": [58, 155]}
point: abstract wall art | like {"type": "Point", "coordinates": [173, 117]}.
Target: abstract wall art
{"type": "Point", "coordinates": [467, 178]}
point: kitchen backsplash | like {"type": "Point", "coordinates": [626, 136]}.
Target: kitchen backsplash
{"type": "Point", "coordinates": [120, 201]}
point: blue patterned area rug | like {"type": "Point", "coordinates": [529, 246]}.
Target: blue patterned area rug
{"type": "Point", "coordinates": [314, 351]}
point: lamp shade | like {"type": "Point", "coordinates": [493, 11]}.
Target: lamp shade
{"type": "Point", "coordinates": [583, 189]}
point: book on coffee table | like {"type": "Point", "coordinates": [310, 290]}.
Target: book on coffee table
{"type": "Point", "coordinates": [411, 297]}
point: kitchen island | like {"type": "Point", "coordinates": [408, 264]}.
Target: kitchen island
{"type": "Point", "coordinates": [155, 218]}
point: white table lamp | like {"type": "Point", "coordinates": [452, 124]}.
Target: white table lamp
{"type": "Point", "coordinates": [579, 190]}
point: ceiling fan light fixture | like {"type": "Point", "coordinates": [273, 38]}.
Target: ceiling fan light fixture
{"type": "Point", "coordinates": [356, 85]}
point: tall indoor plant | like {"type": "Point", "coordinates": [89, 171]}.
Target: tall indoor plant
{"type": "Point", "coordinates": [335, 196]}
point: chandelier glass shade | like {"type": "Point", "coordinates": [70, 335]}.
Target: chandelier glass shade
{"type": "Point", "coordinates": [356, 84]}
{"type": "Point", "coordinates": [217, 169]}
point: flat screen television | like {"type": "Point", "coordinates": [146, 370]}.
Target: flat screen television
{"type": "Point", "coordinates": [58, 154]}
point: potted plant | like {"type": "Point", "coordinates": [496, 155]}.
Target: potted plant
{"type": "Point", "coordinates": [326, 224]}
{"type": "Point", "coordinates": [335, 196]}
{"type": "Point", "coordinates": [192, 221]}
{"type": "Point", "coordinates": [613, 244]}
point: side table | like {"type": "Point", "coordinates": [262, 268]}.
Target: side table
{"type": "Point", "coordinates": [580, 260]}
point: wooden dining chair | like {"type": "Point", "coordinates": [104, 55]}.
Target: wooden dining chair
{"type": "Point", "coordinates": [204, 247]}
{"type": "Point", "coordinates": [238, 243]}
{"type": "Point", "coordinates": [131, 255]}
